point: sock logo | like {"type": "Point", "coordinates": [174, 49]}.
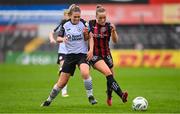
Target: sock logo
{"type": "Point", "coordinates": [114, 86]}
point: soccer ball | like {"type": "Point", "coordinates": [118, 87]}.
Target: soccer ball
{"type": "Point", "coordinates": [140, 103]}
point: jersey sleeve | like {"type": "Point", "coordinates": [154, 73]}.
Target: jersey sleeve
{"type": "Point", "coordinates": [56, 29]}
{"type": "Point", "coordinates": [84, 22]}
{"type": "Point", "coordinates": [109, 27]}
{"type": "Point", "coordinates": [61, 29]}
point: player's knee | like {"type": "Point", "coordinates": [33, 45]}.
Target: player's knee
{"type": "Point", "coordinates": [84, 71]}
{"type": "Point", "coordinates": [85, 74]}
{"type": "Point", "coordinates": [107, 72]}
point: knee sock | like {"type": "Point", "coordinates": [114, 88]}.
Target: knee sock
{"type": "Point", "coordinates": [54, 93]}
{"type": "Point", "coordinates": [112, 84]}
{"type": "Point", "coordinates": [88, 86]}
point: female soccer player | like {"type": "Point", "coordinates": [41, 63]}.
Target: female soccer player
{"type": "Point", "coordinates": [101, 32]}
{"type": "Point", "coordinates": [61, 51]}
{"type": "Point", "coordinates": [73, 33]}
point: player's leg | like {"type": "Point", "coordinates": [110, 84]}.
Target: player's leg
{"type": "Point", "coordinates": [62, 81]}
{"type": "Point", "coordinates": [67, 71]}
{"type": "Point", "coordinates": [109, 61]}
{"type": "Point", "coordinates": [64, 90]}
{"type": "Point", "coordinates": [111, 82]}
{"type": "Point", "coordinates": [84, 69]}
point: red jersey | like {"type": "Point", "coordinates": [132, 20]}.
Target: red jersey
{"type": "Point", "coordinates": [101, 35]}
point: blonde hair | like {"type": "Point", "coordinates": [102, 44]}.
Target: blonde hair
{"type": "Point", "coordinates": [73, 8]}
{"type": "Point", "coordinates": [66, 11]}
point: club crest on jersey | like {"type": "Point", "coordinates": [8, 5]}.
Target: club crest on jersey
{"type": "Point", "coordinates": [79, 29]}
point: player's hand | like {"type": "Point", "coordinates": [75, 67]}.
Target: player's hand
{"type": "Point", "coordinates": [85, 30]}
{"type": "Point", "coordinates": [52, 41]}
{"type": "Point", "coordinates": [60, 39]}
{"type": "Point", "coordinates": [113, 28]}
{"type": "Point", "coordinates": [65, 39]}
{"type": "Point", "coordinates": [89, 55]}
{"type": "Point", "coordinates": [86, 34]}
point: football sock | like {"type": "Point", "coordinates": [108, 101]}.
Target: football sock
{"type": "Point", "coordinates": [109, 91]}
{"type": "Point", "coordinates": [112, 84]}
{"type": "Point", "coordinates": [53, 93]}
{"type": "Point", "coordinates": [88, 86]}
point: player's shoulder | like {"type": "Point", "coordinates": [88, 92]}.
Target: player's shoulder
{"type": "Point", "coordinates": [108, 23]}
{"type": "Point", "coordinates": [84, 22]}
{"type": "Point", "coordinates": [63, 21]}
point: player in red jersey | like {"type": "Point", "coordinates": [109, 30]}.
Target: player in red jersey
{"type": "Point", "coordinates": [102, 31]}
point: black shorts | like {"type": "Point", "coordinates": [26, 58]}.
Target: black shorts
{"type": "Point", "coordinates": [60, 58]}
{"type": "Point", "coordinates": [71, 60]}
{"type": "Point", "coordinates": [107, 59]}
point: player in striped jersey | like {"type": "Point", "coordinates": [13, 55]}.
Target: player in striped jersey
{"type": "Point", "coordinates": [101, 32]}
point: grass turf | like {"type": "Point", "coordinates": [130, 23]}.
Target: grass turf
{"type": "Point", "coordinates": [24, 88]}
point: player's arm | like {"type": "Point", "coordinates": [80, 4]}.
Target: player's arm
{"type": "Point", "coordinates": [52, 34]}
{"type": "Point", "coordinates": [91, 42]}
{"type": "Point", "coordinates": [91, 47]}
{"type": "Point", "coordinates": [61, 39]}
{"type": "Point", "coordinates": [86, 34]}
{"type": "Point", "coordinates": [114, 34]}
{"type": "Point", "coordinates": [51, 38]}
{"type": "Point", "coordinates": [61, 36]}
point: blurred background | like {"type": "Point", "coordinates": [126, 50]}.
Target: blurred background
{"type": "Point", "coordinates": [149, 30]}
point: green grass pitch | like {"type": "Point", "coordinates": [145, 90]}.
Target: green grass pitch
{"type": "Point", "coordinates": [24, 88]}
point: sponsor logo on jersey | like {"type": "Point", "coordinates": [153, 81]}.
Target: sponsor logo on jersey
{"type": "Point", "coordinates": [100, 35]}
{"type": "Point", "coordinates": [68, 29]}
{"type": "Point", "coordinates": [74, 37]}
